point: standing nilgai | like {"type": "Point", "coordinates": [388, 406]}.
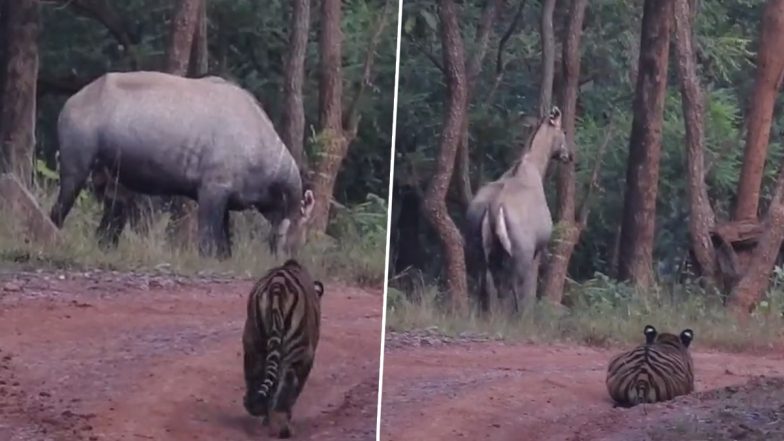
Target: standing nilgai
{"type": "Point", "coordinates": [206, 139]}
{"type": "Point", "coordinates": [509, 221]}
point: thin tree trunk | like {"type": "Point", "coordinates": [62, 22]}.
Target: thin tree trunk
{"type": "Point", "coordinates": [642, 173]}
{"type": "Point", "coordinates": [435, 209]}
{"type": "Point", "coordinates": [293, 132]}
{"type": "Point", "coordinates": [562, 246]}
{"type": "Point", "coordinates": [770, 66]}
{"type": "Point", "coordinates": [199, 60]}
{"type": "Point", "coordinates": [462, 180]}
{"type": "Point", "coordinates": [184, 225]}
{"type": "Point", "coordinates": [18, 90]}
{"type": "Point", "coordinates": [338, 129]}
{"type": "Point", "coordinates": [333, 139]}
{"type": "Point", "coordinates": [701, 215]}
{"type": "Point", "coordinates": [548, 57]}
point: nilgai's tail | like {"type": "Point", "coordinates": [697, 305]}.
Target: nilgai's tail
{"type": "Point", "coordinates": [501, 230]}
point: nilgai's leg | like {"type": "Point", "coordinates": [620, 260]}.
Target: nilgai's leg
{"type": "Point", "coordinates": [212, 208]}
{"type": "Point", "coordinates": [523, 262]}
{"type": "Point", "coordinates": [115, 215]}
{"type": "Point", "coordinates": [531, 279]}
{"type": "Point", "coordinates": [488, 290]}
{"type": "Point", "coordinates": [226, 236]}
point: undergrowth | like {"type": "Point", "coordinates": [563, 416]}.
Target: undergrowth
{"type": "Point", "coordinates": [602, 312]}
{"type": "Point", "coordinates": [354, 252]}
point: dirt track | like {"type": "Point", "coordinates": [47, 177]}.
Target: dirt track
{"type": "Point", "coordinates": [494, 391]}
{"type": "Point", "coordinates": [130, 357]}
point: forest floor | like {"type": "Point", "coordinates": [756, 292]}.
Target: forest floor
{"type": "Point", "coordinates": [474, 389]}
{"type": "Point", "coordinates": [128, 356]}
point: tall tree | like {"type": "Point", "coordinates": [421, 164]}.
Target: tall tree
{"type": "Point", "coordinates": [435, 209]}
{"type": "Point", "coordinates": [548, 57]}
{"type": "Point", "coordinates": [770, 66]}
{"type": "Point", "coordinates": [702, 217]}
{"type": "Point", "coordinates": [338, 128]}
{"type": "Point", "coordinates": [178, 58]}
{"type": "Point", "coordinates": [293, 132]}
{"type": "Point", "coordinates": [18, 88]}
{"type": "Point", "coordinates": [642, 172]}
{"type": "Point", "coordinates": [562, 244]}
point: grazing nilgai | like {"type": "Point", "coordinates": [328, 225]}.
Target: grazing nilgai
{"type": "Point", "coordinates": [206, 139]}
{"type": "Point", "coordinates": [508, 221]}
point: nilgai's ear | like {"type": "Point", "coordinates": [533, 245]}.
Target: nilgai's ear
{"type": "Point", "coordinates": [308, 201]}
{"type": "Point", "coordinates": [686, 337]}
{"type": "Point", "coordinates": [650, 334]}
{"type": "Point", "coordinates": [319, 287]}
{"type": "Point", "coordinates": [555, 117]}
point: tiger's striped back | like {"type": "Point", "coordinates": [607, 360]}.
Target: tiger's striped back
{"type": "Point", "coordinates": [659, 370]}
{"type": "Point", "coordinates": [279, 341]}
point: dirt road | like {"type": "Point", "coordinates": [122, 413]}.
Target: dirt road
{"type": "Point", "coordinates": [131, 357]}
{"type": "Point", "coordinates": [494, 391]}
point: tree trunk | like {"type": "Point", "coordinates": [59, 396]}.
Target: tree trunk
{"type": "Point", "coordinates": [435, 209]}
{"type": "Point", "coordinates": [293, 132]}
{"type": "Point", "coordinates": [562, 247]}
{"type": "Point", "coordinates": [751, 287]}
{"type": "Point", "coordinates": [184, 224]}
{"type": "Point", "coordinates": [770, 66]}
{"type": "Point", "coordinates": [548, 58]}
{"type": "Point", "coordinates": [701, 215]}
{"type": "Point", "coordinates": [333, 139]}
{"type": "Point", "coordinates": [200, 58]}
{"type": "Point", "coordinates": [642, 173]}
{"type": "Point", "coordinates": [462, 180]}
{"type": "Point", "coordinates": [18, 90]}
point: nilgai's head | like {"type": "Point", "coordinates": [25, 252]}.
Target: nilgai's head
{"type": "Point", "coordinates": [292, 231]}
{"type": "Point", "coordinates": [559, 148]}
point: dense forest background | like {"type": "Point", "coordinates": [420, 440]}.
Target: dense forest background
{"type": "Point", "coordinates": [502, 63]}
{"type": "Point", "coordinates": [323, 71]}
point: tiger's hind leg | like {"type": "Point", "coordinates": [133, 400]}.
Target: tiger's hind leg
{"type": "Point", "coordinates": [280, 412]}
{"type": "Point", "coordinates": [254, 371]}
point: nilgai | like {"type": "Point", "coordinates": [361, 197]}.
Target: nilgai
{"type": "Point", "coordinates": [206, 139]}
{"type": "Point", "coordinates": [508, 221]}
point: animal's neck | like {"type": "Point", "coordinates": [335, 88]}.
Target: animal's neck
{"type": "Point", "coordinates": [538, 158]}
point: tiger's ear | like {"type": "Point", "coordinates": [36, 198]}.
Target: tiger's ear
{"type": "Point", "coordinates": [650, 334]}
{"type": "Point", "coordinates": [686, 337]}
{"type": "Point", "coordinates": [319, 287]}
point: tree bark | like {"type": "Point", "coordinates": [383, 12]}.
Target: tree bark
{"type": "Point", "coordinates": [333, 139]}
{"type": "Point", "coordinates": [562, 246]}
{"type": "Point", "coordinates": [462, 180]}
{"type": "Point", "coordinates": [770, 66]}
{"type": "Point", "coordinates": [293, 132]}
{"type": "Point", "coordinates": [701, 216]}
{"type": "Point", "coordinates": [338, 129]}
{"type": "Point", "coordinates": [17, 118]}
{"type": "Point", "coordinates": [200, 58]}
{"type": "Point", "coordinates": [642, 173]}
{"type": "Point", "coordinates": [435, 209]}
{"type": "Point", "coordinates": [184, 225]}
{"type": "Point", "coordinates": [751, 287]}
{"type": "Point", "coordinates": [548, 58]}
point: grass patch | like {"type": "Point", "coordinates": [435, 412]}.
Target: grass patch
{"type": "Point", "coordinates": [354, 252]}
{"type": "Point", "coordinates": [602, 313]}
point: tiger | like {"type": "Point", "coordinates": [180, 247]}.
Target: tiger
{"type": "Point", "coordinates": [659, 370]}
{"type": "Point", "coordinates": [279, 342]}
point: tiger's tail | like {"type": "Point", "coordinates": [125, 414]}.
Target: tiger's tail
{"type": "Point", "coordinates": [272, 362]}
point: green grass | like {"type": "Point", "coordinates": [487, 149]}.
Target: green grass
{"type": "Point", "coordinates": [602, 313]}
{"type": "Point", "coordinates": [355, 255]}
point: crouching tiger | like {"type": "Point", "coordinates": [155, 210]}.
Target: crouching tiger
{"type": "Point", "coordinates": [279, 342]}
{"type": "Point", "coordinates": [659, 370]}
